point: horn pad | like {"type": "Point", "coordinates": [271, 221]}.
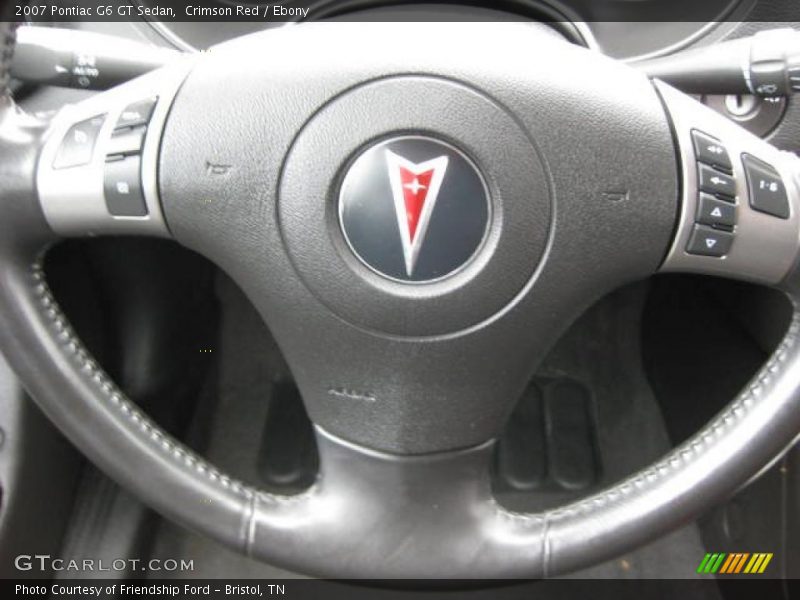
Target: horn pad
{"type": "Point", "coordinates": [436, 185]}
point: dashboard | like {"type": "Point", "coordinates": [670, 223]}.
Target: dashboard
{"type": "Point", "coordinates": [661, 26]}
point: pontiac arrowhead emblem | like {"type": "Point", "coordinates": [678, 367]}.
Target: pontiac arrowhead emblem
{"type": "Point", "coordinates": [415, 189]}
{"type": "Point", "coordinates": [414, 209]}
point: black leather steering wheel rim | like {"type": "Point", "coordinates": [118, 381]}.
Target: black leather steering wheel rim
{"type": "Point", "coordinates": [475, 538]}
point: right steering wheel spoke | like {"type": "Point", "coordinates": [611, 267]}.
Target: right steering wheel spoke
{"type": "Point", "coordinates": [97, 171]}
{"type": "Point", "coordinates": [740, 215]}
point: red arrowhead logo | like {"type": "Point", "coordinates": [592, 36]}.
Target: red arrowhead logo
{"type": "Point", "coordinates": [415, 188]}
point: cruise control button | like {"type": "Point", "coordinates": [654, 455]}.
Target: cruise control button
{"type": "Point", "coordinates": [136, 114]}
{"type": "Point", "coordinates": [713, 211]}
{"type": "Point", "coordinates": [706, 241]}
{"type": "Point", "coordinates": [710, 151]}
{"type": "Point", "coordinates": [77, 147]}
{"type": "Point", "coordinates": [716, 182]}
{"type": "Point", "coordinates": [122, 185]}
{"type": "Point", "coordinates": [127, 141]}
{"type": "Point", "coordinates": [766, 188]}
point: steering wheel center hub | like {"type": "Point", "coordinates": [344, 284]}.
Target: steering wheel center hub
{"type": "Point", "coordinates": [435, 185]}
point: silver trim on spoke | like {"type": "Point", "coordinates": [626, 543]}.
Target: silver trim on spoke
{"type": "Point", "coordinates": [72, 198]}
{"type": "Point", "coordinates": [764, 247]}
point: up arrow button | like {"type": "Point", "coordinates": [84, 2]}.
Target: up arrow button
{"type": "Point", "coordinates": [715, 212]}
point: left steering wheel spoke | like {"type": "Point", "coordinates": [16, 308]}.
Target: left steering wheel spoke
{"type": "Point", "coordinates": [740, 210]}
{"type": "Point", "coordinates": [97, 169]}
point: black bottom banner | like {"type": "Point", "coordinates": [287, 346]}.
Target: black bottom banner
{"type": "Point", "coordinates": [562, 589]}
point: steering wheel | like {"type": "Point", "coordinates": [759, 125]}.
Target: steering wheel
{"type": "Point", "coordinates": [417, 212]}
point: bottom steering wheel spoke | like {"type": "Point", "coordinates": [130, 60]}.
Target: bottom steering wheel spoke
{"type": "Point", "coordinates": [423, 506]}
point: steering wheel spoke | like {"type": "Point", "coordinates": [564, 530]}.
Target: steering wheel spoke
{"type": "Point", "coordinates": [740, 209]}
{"type": "Point", "coordinates": [387, 511]}
{"type": "Point", "coordinates": [98, 167]}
